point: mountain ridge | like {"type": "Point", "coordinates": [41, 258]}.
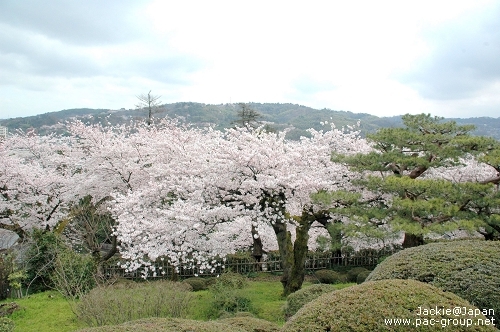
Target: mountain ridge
{"type": "Point", "coordinates": [278, 115]}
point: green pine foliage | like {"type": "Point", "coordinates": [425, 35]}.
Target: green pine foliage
{"type": "Point", "coordinates": [418, 204]}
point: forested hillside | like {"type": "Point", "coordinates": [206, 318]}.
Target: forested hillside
{"type": "Point", "coordinates": [277, 115]}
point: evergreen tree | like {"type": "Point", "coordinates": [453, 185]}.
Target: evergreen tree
{"type": "Point", "coordinates": [247, 117]}
{"type": "Point", "coordinates": [405, 165]}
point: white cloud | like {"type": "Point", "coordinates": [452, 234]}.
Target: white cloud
{"type": "Point", "coordinates": [380, 57]}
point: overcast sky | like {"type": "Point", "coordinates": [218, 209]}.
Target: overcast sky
{"type": "Point", "coordinates": [379, 57]}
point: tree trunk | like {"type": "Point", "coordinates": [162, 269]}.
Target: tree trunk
{"type": "Point", "coordinates": [335, 231]}
{"type": "Point", "coordinates": [411, 240]}
{"type": "Point", "coordinates": [257, 249]}
{"type": "Point", "coordinates": [293, 255]}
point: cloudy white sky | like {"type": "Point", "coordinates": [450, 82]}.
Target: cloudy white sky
{"type": "Point", "coordinates": [378, 57]}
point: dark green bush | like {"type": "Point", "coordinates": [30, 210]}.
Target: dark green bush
{"type": "Point", "coordinates": [197, 283]}
{"type": "Point", "coordinates": [210, 281]}
{"type": "Point", "coordinates": [73, 274]}
{"type": "Point", "coordinates": [467, 268]}
{"type": "Point", "coordinates": [125, 302]}
{"type": "Point", "coordinates": [366, 307]}
{"type": "Point", "coordinates": [362, 276]}
{"type": "Point", "coordinates": [296, 300]}
{"type": "Point", "coordinates": [40, 258]}
{"type": "Point", "coordinates": [352, 274]}
{"type": "Point", "coordinates": [6, 268]}
{"type": "Point", "coordinates": [329, 277]}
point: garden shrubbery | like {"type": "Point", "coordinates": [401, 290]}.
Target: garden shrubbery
{"type": "Point", "coordinates": [297, 300]}
{"type": "Point", "coordinates": [330, 277]}
{"type": "Point", "coordinates": [125, 302]}
{"type": "Point", "coordinates": [167, 325]}
{"type": "Point", "coordinates": [250, 324]}
{"type": "Point", "coordinates": [6, 268]}
{"type": "Point", "coordinates": [232, 280]}
{"type": "Point", "coordinates": [226, 295]}
{"type": "Point", "coordinates": [40, 257]}
{"type": "Point", "coordinates": [235, 324]}
{"type": "Point", "coordinates": [73, 274]}
{"type": "Point", "coordinates": [467, 268]}
{"type": "Point", "coordinates": [352, 274]}
{"type": "Point", "coordinates": [362, 276]}
{"type": "Point", "coordinates": [364, 308]}
{"type": "Point", "coordinates": [196, 283]}
{"type": "Point", "coordinates": [6, 324]}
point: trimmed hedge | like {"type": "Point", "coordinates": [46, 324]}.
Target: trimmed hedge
{"type": "Point", "coordinates": [352, 274]}
{"type": "Point", "coordinates": [330, 277]}
{"type": "Point", "coordinates": [366, 307]}
{"type": "Point", "coordinates": [362, 276]}
{"type": "Point", "coordinates": [250, 324]}
{"type": "Point", "coordinates": [467, 268]}
{"type": "Point", "coordinates": [167, 325]}
{"type": "Point", "coordinates": [297, 300]}
{"type": "Point", "coordinates": [235, 324]}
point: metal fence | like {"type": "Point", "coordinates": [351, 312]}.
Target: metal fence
{"type": "Point", "coordinates": [246, 264]}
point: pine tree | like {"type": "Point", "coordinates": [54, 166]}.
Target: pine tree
{"type": "Point", "coordinates": [247, 117]}
{"type": "Point", "coordinates": [405, 166]}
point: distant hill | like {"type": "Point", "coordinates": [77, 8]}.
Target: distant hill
{"type": "Point", "coordinates": [278, 115]}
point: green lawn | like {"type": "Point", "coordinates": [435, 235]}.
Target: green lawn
{"type": "Point", "coordinates": [44, 312]}
{"type": "Point", "coordinates": [50, 312]}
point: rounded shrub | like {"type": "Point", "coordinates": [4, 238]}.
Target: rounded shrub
{"type": "Point", "coordinates": [197, 283]}
{"type": "Point", "coordinates": [250, 324]}
{"type": "Point", "coordinates": [210, 281]}
{"type": "Point", "coordinates": [167, 325]}
{"type": "Point", "coordinates": [369, 306]}
{"type": "Point", "coordinates": [362, 276]}
{"type": "Point", "coordinates": [352, 274]}
{"type": "Point", "coordinates": [232, 280]}
{"type": "Point", "coordinates": [329, 277]}
{"type": "Point", "coordinates": [296, 300]}
{"type": "Point", "coordinates": [467, 268]}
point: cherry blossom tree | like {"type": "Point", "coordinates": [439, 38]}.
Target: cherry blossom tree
{"type": "Point", "coordinates": [180, 193]}
{"type": "Point", "coordinates": [211, 188]}
{"type": "Point", "coordinates": [34, 182]}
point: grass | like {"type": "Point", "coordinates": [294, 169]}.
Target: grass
{"type": "Point", "coordinates": [50, 312]}
{"type": "Point", "coordinates": [47, 312]}
{"type": "Point", "coordinates": [264, 294]}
